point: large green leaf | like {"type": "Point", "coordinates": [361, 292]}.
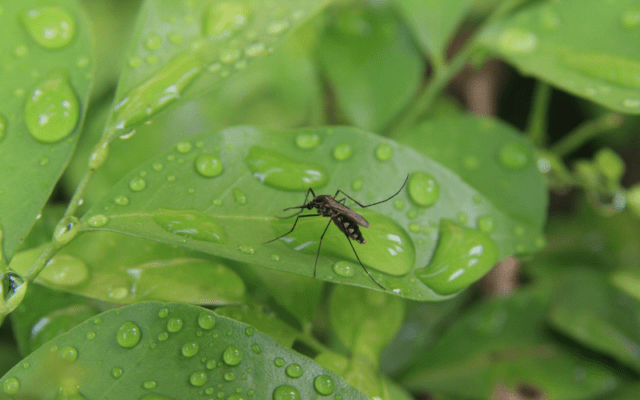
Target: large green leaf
{"type": "Point", "coordinates": [47, 64]}
{"type": "Point", "coordinates": [504, 342]}
{"type": "Point", "coordinates": [219, 193]}
{"type": "Point", "coordinates": [180, 50]}
{"type": "Point", "coordinates": [586, 47]}
{"type": "Point", "coordinates": [169, 351]}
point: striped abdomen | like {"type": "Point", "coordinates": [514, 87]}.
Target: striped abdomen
{"type": "Point", "coordinates": [349, 227]}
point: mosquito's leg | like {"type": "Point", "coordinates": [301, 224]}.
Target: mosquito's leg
{"type": "Point", "coordinates": [369, 205]}
{"type": "Point", "coordinates": [294, 226]}
{"type": "Point", "coordinates": [361, 264]}
{"type": "Point", "coordinates": [318, 253]}
{"type": "Point", "coordinates": [306, 196]}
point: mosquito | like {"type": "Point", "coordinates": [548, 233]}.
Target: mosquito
{"type": "Point", "coordinates": [342, 216]}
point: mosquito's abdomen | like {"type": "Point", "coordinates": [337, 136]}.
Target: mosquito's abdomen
{"type": "Point", "coordinates": [349, 228]}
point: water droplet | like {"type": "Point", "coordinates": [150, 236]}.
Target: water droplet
{"type": "Point", "coordinates": [254, 50]}
{"type": "Point", "coordinates": [208, 165]}
{"type": "Point", "coordinates": [414, 227]}
{"type": "Point", "coordinates": [229, 56]}
{"type": "Point", "coordinates": [66, 230]}
{"type": "Point", "coordinates": [514, 155]}
{"type": "Point", "coordinates": [68, 353]}
{"type": "Point", "coordinates": [118, 293]}
{"type": "Point", "coordinates": [171, 178]}
{"type": "Point", "coordinates": [631, 18]}
{"type": "Point", "coordinates": [50, 27]}
{"type": "Point", "coordinates": [121, 200]}
{"type": "Point", "coordinates": [286, 392]}
{"type": "Point", "coordinates": [519, 230]}
{"type": "Point", "coordinates": [156, 93]}
{"type": "Point", "coordinates": [149, 384]}
{"type": "Point", "coordinates": [256, 349]}
{"type": "Point", "coordinates": [235, 396]}
{"type": "Point", "coordinates": [462, 217]}
{"type": "Point", "coordinates": [229, 376]}
{"type": "Point", "coordinates": [277, 27]}
{"type": "Point", "coordinates": [280, 172]}
{"type": "Point", "coordinates": [153, 41]}
{"type": "Point", "coordinates": [3, 127]}
{"type": "Point", "coordinates": [239, 197]}
{"type": "Point", "coordinates": [206, 321]}
{"type": "Point", "coordinates": [51, 111]}
{"type": "Point", "coordinates": [274, 257]}
{"type": "Point", "coordinates": [64, 270]}
{"type": "Point", "coordinates": [137, 184]}
{"type": "Point", "coordinates": [98, 221]}
{"type": "Point", "coordinates": [162, 336]}
{"type": "Point", "coordinates": [344, 269]}
{"type": "Point", "coordinates": [190, 349]}
{"type": "Point", "coordinates": [211, 364]}
{"type": "Point", "coordinates": [244, 249]}
{"type": "Point", "coordinates": [190, 224]}
{"type": "Point", "coordinates": [462, 256]}
{"type": "Point", "coordinates": [423, 189]}
{"type": "Point", "coordinates": [357, 184]}
{"type": "Point", "coordinates": [307, 140]}
{"type": "Point", "coordinates": [198, 378]}
{"type": "Point", "coordinates": [342, 152]}
{"type": "Point", "coordinates": [249, 331]}
{"type": "Point", "coordinates": [324, 385]}
{"type": "Point", "coordinates": [294, 371]}
{"type": "Point", "coordinates": [116, 372]}
{"type": "Point", "coordinates": [486, 224]}
{"type": "Point", "coordinates": [514, 40]}
{"type": "Point", "coordinates": [174, 325]}
{"type": "Point", "coordinates": [128, 335]}
{"type": "Point", "coordinates": [184, 147]}
{"type": "Point", "coordinates": [175, 37]}
{"type": "Point", "coordinates": [225, 17]}
{"type": "Point", "coordinates": [384, 151]}
{"type": "Point", "coordinates": [631, 102]}
{"type": "Point", "coordinates": [232, 355]}
{"type": "Point", "coordinates": [399, 204]}
{"type": "Point", "coordinates": [90, 335]}
{"type": "Point", "coordinates": [163, 313]}
{"type": "Point", "coordinates": [11, 385]}
{"type": "Point", "coordinates": [279, 362]}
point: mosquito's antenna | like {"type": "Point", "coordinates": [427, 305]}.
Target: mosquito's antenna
{"type": "Point", "coordinates": [399, 190]}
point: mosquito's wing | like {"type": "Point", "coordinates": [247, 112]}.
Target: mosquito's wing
{"type": "Point", "coordinates": [357, 218]}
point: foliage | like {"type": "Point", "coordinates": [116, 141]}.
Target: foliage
{"type": "Point", "coordinates": [149, 149]}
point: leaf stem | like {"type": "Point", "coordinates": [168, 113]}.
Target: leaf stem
{"type": "Point", "coordinates": [537, 124]}
{"type": "Point", "coordinates": [585, 132]}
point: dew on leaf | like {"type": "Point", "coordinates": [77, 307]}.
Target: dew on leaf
{"type": "Point", "coordinates": [515, 40]}
{"type": "Point", "coordinates": [175, 37]}
{"type": "Point", "coordinates": [423, 189]}
{"type": "Point", "coordinates": [357, 184]}
{"type": "Point", "coordinates": [462, 217]}
{"type": "Point", "coordinates": [51, 111]}
{"type": "Point", "coordinates": [486, 223]}
{"type": "Point", "coordinates": [68, 353]}
{"type": "Point", "coordinates": [342, 152]}
{"type": "Point", "coordinates": [286, 392]}
{"type": "Point", "coordinates": [281, 172]}
{"type": "Point", "coordinates": [277, 27]}
{"type": "Point", "coordinates": [631, 102]}
{"type": "Point", "coordinates": [153, 41]}
{"type": "Point", "coordinates": [244, 249]}
{"type": "Point", "coordinates": [398, 204]}
{"type": "Point", "coordinates": [208, 165]}
{"type": "Point", "coordinates": [184, 147]}
{"type": "Point", "coordinates": [324, 385]}
{"type": "Point", "coordinates": [229, 376]}
{"type": "Point", "coordinates": [190, 349]}
{"type": "Point", "coordinates": [239, 197]}
{"type": "Point", "coordinates": [294, 371]}
{"type": "Point", "coordinates": [3, 126]}
{"type": "Point", "coordinates": [137, 184]}
{"type": "Point", "coordinates": [50, 27]}
{"type": "Point", "coordinates": [631, 18]}
{"type": "Point", "coordinates": [134, 62]}
{"type": "Point", "coordinates": [206, 321]}
{"type": "Point", "coordinates": [11, 385]}
{"type": "Point", "coordinates": [198, 378]}
{"type": "Point", "coordinates": [191, 224]}
{"type": "Point", "coordinates": [98, 221]}
{"type": "Point", "coordinates": [256, 349]}
{"type": "Point", "coordinates": [64, 270]}
{"type": "Point", "coordinates": [279, 362]}
{"type": "Point", "coordinates": [162, 336]}
{"type": "Point", "coordinates": [274, 257]}
{"type": "Point", "coordinates": [514, 155]}
{"type": "Point", "coordinates": [254, 49]}
{"type": "Point", "coordinates": [344, 269]}
{"type": "Point", "coordinates": [174, 325]}
{"type": "Point", "coordinates": [414, 227]}
{"type": "Point", "coordinates": [249, 331]}
{"type": "Point", "coordinates": [66, 230]}
{"type": "Point", "coordinates": [307, 140]}
{"type": "Point", "coordinates": [90, 335]}
{"type": "Point", "coordinates": [384, 151]}
{"type": "Point", "coordinates": [118, 293]}
{"type": "Point", "coordinates": [224, 17]}
{"type": "Point", "coordinates": [128, 335]}
{"type": "Point", "coordinates": [163, 313]}
{"type": "Point", "coordinates": [232, 355]}
{"type": "Point", "coordinates": [21, 51]}
{"type": "Point", "coordinates": [229, 56]}
{"type": "Point", "coordinates": [149, 384]}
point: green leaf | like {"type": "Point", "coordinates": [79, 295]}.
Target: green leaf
{"type": "Point", "coordinates": [356, 371]}
{"type": "Point", "coordinates": [372, 65]}
{"type": "Point", "coordinates": [199, 44]}
{"type": "Point", "coordinates": [504, 341]}
{"type": "Point", "coordinates": [47, 69]}
{"type": "Point", "coordinates": [591, 311]}
{"type": "Point", "coordinates": [277, 329]}
{"type": "Point", "coordinates": [174, 199]}
{"type": "Point", "coordinates": [117, 268]}
{"type": "Point", "coordinates": [160, 351]}
{"type": "Point", "coordinates": [559, 43]}
{"type": "Point", "coordinates": [498, 162]}
{"type": "Point", "coordinates": [434, 22]}
{"type": "Point", "coordinates": [364, 320]}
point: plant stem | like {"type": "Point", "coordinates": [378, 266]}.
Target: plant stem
{"type": "Point", "coordinates": [537, 124]}
{"type": "Point", "coordinates": [585, 132]}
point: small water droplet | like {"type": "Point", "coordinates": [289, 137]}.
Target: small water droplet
{"type": "Point", "coordinates": [98, 221]}
{"type": "Point", "coordinates": [68, 353]}
{"type": "Point", "coordinates": [244, 249]}
{"type": "Point", "coordinates": [225, 17]}
{"type": "Point", "coordinates": [254, 49]}
{"type": "Point", "coordinates": [11, 385]}
{"type": "Point", "coordinates": [229, 376]}
{"type": "Point", "coordinates": [286, 392]}
{"type": "Point", "coordinates": [423, 189]}
{"type": "Point", "coordinates": [274, 257]}
{"type": "Point", "coordinates": [277, 27]}
{"type": "Point", "coordinates": [631, 18]}
{"type": "Point", "coordinates": [149, 384]}
{"type": "Point", "coordinates": [190, 349]}
{"type": "Point", "coordinates": [307, 140]}
{"type": "Point", "coordinates": [191, 224]}
{"type": "Point", "coordinates": [256, 349]}
{"type": "Point", "coordinates": [121, 200]}
{"type": "Point", "coordinates": [280, 172]}
{"type": "Point", "coordinates": [239, 197]}
{"type": "Point", "coordinates": [162, 336]}
{"type": "Point", "coordinates": [151, 59]}
{"type": "Point", "coordinates": [514, 155]}
{"type": "Point", "coordinates": [232, 355]}
{"type": "Point", "coordinates": [462, 217]}
{"type": "Point", "coordinates": [156, 166]}
{"type": "Point", "coordinates": [163, 313]}
{"type": "Point", "coordinates": [549, 18]}
{"type": "Point", "coordinates": [294, 371]}
{"type": "Point", "coordinates": [324, 385]}
{"type": "Point", "coordinates": [64, 270]}
{"type": "Point", "coordinates": [118, 293]}
{"type": "Point", "coordinates": [128, 335]}
{"type": "Point", "coordinates": [116, 372]}
{"type": "Point", "coordinates": [52, 110]}
{"type": "Point", "coordinates": [137, 184]}
{"type": "Point", "coordinates": [208, 165]}
{"type": "Point", "coordinates": [249, 331]}
{"type": "Point", "coordinates": [211, 364]}
{"type": "Point", "coordinates": [384, 151]}
{"type": "Point", "coordinates": [66, 230]}
{"type": "Point", "coordinates": [175, 37]}
{"type": "Point", "coordinates": [342, 152]}
{"type": "Point", "coordinates": [279, 362]}
{"type": "Point", "coordinates": [184, 147]}
{"type": "Point", "coordinates": [206, 321]}
{"type": "Point", "coordinates": [357, 184]}
{"type": "Point", "coordinates": [153, 41]}
{"type": "Point", "coordinates": [344, 269]}
{"type": "Point", "coordinates": [134, 62]}
{"type": "Point", "coordinates": [514, 40]}
{"type": "Point", "coordinates": [44, 160]}
{"type": "Point", "coordinates": [486, 223]}
{"type": "Point", "coordinates": [171, 178]}
{"type": "Point", "coordinates": [174, 325]}
{"type": "Point", "coordinates": [414, 227]}
{"type": "Point", "coordinates": [90, 335]}
{"type": "Point", "coordinates": [198, 378]}
{"type": "Point", "coordinates": [50, 27]}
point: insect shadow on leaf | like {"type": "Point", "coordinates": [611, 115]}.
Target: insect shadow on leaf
{"type": "Point", "coordinates": [342, 216]}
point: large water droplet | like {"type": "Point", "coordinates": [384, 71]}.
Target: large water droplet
{"type": "Point", "coordinates": [128, 335]}
{"type": "Point", "coordinates": [232, 355]}
{"type": "Point", "coordinates": [208, 165]}
{"type": "Point", "coordinates": [66, 230]}
{"type": "Point", "coordinates": [462, 256]}
{"type": "Point", "coordinates": [294, 371]}
{"type": "Point", "coordinates": [11, 385]}
{"type": "Point", "coordinates": [198, 378]}
{"type": "Point", "coordinates": [206, 321]}
{"type": "Point", "coordinates": [515, 40]}
{"type": "Point", "coordinates": [345, 269]}
{"type": "Point", "coordinates": [225, 17]}
{"type": "Point", "coordinates": [174, 325]}
{"type": "Point", "coordinates": [50, 27]}
{"type": "Point", "coordinates": [307, 140]}
{"type": "Point", "coordinates": [388, 249]}
{"type": "Point", "coordinates": [64, 270]}
{"type": "Point", "coordinates": [51, 111]}
{"type": "Point", "coordinates": [324, 385]}
{"type": "Point", "coordinates": [514, 155]}
{"type": "Point", "coordinates": [153, 95]}
{"type": "Point", "coordinates": [286, 392]}
{"type": "Point", "coordinates": [342, 152]}
{"type": "Point", "coordinates": [384, 151]}
{"type": "Point", "coordinates": [98, 221]}
{"type": "Point", "coordinates": [284, 173]}
{"type": "Point", "coordinates": [423, 189]}
{"type": "Point", "coordinates": [191, 224]}
{"type": "Point", "coordinates": [190, 349]}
